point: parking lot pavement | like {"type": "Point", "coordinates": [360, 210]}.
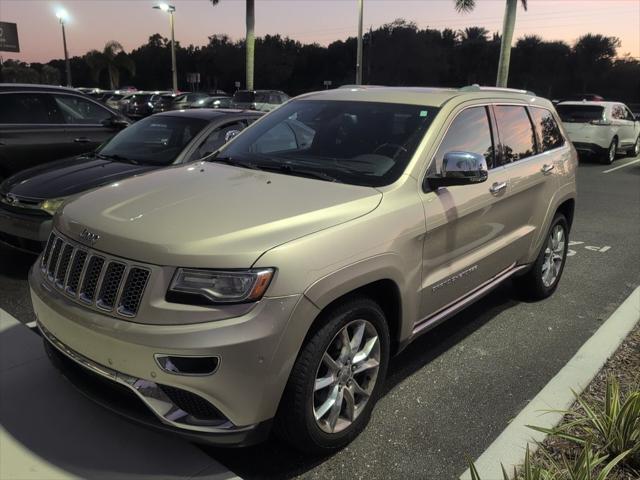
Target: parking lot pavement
{"type": "Point", "coordinates": [447, 396]}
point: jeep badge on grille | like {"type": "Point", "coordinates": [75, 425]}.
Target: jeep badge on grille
{"type": "Point", "coordinates": [88, 237]}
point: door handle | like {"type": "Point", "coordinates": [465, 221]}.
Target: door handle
{"type": "Point", "coordinates": [546, 168]}
{"type": "Point", "coordinates": [497, 187]}
{"type": "Point", "coordinates": [82, 140]}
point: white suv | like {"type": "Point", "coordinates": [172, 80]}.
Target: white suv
{"type": "Point", "coordinates": [601, 128]}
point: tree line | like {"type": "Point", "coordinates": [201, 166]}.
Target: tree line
{"type": "Point", "coordinates": [397, 53]}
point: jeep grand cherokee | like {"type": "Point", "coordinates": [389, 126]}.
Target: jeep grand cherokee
{"type": "Point", "coordinates": [270, 284]}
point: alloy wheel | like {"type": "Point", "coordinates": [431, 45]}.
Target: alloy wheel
{"type": "Point", "coordinates": [346, 376]}
{"type": "Point", "coordinates": [553, 256]}
{"type": "Point", "coordinates": [612, 151]}
{"type": "Point", "coordinates": [636, 148]}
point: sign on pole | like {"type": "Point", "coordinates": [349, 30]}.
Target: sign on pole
{"type": "Point", "coordinates": [9, 37]}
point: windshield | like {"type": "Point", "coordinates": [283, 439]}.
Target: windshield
{"type": "Point", "coordinates": [156, 140]}
{"type": "Point", "coordinates": [580, 113]}
{"type": "Point", "coordinates": [360, 143]}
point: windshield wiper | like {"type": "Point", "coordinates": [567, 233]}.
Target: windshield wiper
{"type": "Point", "coordinates": [117, 158]}
{"type": "Point", "coordinates": [303, 172]}
{"type": "Point", "coordinates": [234, 162]}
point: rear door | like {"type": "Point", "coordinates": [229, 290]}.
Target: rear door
{"type": "Point", "coordinates": [31, 131]}
{"type": "Point", "coordinates": [467, 237]}
{"type": "Point", "coordinates": [84, 128]}
{"type": "Point", "coordinates": [532, 158]}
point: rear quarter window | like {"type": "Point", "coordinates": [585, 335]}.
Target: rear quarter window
{"type": "Point", "coordinates": [549, 134]}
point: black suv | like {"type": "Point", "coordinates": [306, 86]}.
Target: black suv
{"type": "Point", "coordinates": [41, 123]}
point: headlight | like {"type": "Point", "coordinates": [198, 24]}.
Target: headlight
{"type": "Point", "coordinates": [52, 206]}
{"type": "Point", "coordinates": [223, 286]}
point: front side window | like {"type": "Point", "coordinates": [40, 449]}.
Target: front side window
{"type": "Point", "coordinates": [76, 110]}
{"type": "Point", "coordinates": [516, 134]}
{"type": "Point", "coordinates": [547, 129]}
{"type": "Point", "coordinates": [156, 140]}
{"type": "Point", "coordinates": [469, 132]}
{"type": "Point", "coordinates": [27, 108]}
{"type": "Point", "coordinates": [361, 143]}
{"type": "Point", "coordinates": [217, 138]}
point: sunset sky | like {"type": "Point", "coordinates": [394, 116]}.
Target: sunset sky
{"type": "Point", "coordinates": [94, 22]}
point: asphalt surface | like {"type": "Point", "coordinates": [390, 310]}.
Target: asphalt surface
{"type": "Point", "coordinates": [451, 392]}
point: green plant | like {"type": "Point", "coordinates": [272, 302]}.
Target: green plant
{"type": "Point", "coordinates": [587, 466]}
{"type": "Point", "coordinates": [614, 427]}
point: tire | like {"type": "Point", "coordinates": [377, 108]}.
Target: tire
{"type": "Point", "coordinates": [535, 285]}
{"type": "Point", "coordinates": [302, 402]}
{"type": "Point", "coordinates": [610, 154]}
{"type": "Point", "coordinates": [635, 150]}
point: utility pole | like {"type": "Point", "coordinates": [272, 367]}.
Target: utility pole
{"type": "Point", "coordinates": [174, 70]}
{"type": "Point", "coordinates": [359, 53]}
{"type": "Point", "coordinates": [63, 16]}
{"type": "Point", "coordinates": [370, 54]}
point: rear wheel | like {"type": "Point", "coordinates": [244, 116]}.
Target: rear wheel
{"type": "Point", "coordinates": [543, 278]}
{"type": "Point", "coordinates": [336, 379]}
{"type": "Point", "coordinates": [610, 155]}
{"type": "Point", "coordinates": [635, 150]}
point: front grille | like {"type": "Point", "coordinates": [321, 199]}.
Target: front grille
{"type": "Point", "coordinates": [191, 403]}
{"type": "Point", "coordinates": [108, 284]}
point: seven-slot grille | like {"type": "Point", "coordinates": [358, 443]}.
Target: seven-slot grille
{"type": "Point", "coordinates": [110, 285]}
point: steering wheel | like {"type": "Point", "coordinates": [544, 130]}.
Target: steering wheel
{"type": "Point", "coordinates": [396, 148]}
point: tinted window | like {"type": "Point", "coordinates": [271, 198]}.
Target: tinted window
{"type": "Point", "coordinates": [244, 96]}
{"type": "Point", "coordinates": [580, 113]}
{"type": "Point", "coordinates": [469, 132]}
{"type": "Point", "coordinates": [155, 140]}
{"type": "Point", "coordinates": [76, 110]}
{"type": "Point", "coordinates": [547, 129]}
{"type": "Point", "coordinates": [216, 139]}
{"type": "Point", "coordinates": [363, 143]}
{"type": "Point", "coordinates": [516, 134]}
{"type": "Point", "coordinates": [33, 108]}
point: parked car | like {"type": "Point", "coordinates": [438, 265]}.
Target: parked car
{"type": "Point", "coordinates": [137, 105]}
{"type": "Point", "coordinates": [29, 199]}
{"type": "Point", "coordinates": [41, 123]}
{"type": "Point", "coordinates": [112, 99]}
{"type": "Point", "coordinates": [263, 100]}
{"type": "Point", "coordinates": [163, 102]}
{"type": "Point", "coordinates": [212, 102]}
{"type": "Point", "coordinates": [184, 100]}
{"type": "Point", "coordinates": [601, 128]}
{"type": "Point", "coordinates": [272, 283]}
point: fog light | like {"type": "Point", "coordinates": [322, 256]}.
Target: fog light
{"type": "Point", "coordinates": [181, 365]}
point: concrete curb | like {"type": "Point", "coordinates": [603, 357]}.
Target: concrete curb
{"type": "Point", "coordinates": [509, 447]}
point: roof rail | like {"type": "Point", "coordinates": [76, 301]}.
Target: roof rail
{"type": "Point", "coordinates": [477, 88]}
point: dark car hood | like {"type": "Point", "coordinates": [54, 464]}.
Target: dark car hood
{"type": "Point", "coordinates": [69, 177]}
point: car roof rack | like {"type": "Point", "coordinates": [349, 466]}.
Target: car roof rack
{"type": "Point", "coordinates": [477, 88]}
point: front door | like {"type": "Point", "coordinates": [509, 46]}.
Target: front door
{"type": "Point", "coordinates": [466, 242]}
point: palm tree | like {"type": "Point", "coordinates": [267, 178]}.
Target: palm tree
{"type": "Point", "coordinates": [112, 59]}
{"type": "Point", "coordinates": [507, 34]}
{"type": "Point", "coordinates": [250, 40]}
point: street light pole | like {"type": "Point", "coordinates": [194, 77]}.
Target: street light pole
{"type": "Point", "coordinates": [62, 16]}
{"type": "Point", "coordinates": [170, 9]}
{"type": "Point", "coordinates": [359, 52]}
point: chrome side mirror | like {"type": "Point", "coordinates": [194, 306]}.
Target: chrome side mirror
{"type": "Point", "coordinates": [461, 168]}
{"type": "Point", "coordinates": [230, 134]}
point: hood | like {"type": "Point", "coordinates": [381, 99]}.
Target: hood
{"type": "Point", "coordinates": [210, 215]}
{"type": "Point", "coordinates": [69, 177]}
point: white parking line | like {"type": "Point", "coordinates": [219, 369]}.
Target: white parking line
{"type": "Point", "coordinates": [622, 166]}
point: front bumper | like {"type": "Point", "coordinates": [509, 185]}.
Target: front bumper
{"type": "Point", "coordinates": [24, 231]}
{"type": "Point", "coordinates": [256, 352]}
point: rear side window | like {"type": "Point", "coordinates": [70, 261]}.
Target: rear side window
{"type": "Point", "coordinates": [27, 108]}
{"type": "Point", "coordinates": [76, 110]}
{"type": "Point", "coordinates": [547, 129]}
{"type": "Point", "coordinates": [469, 132]}
{"type": "Point", "coordinates": [580, 113]}
{"type": "Point", "coordinates": [516, 133]}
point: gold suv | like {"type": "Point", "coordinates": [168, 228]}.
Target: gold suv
{"type": "Point", "coordinates": [269, 285]}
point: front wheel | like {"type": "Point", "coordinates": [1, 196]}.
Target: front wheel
{"type": "Point", "coordinates": [337, 378]}
{"type": "Point", "coordinates": [543, 277]}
